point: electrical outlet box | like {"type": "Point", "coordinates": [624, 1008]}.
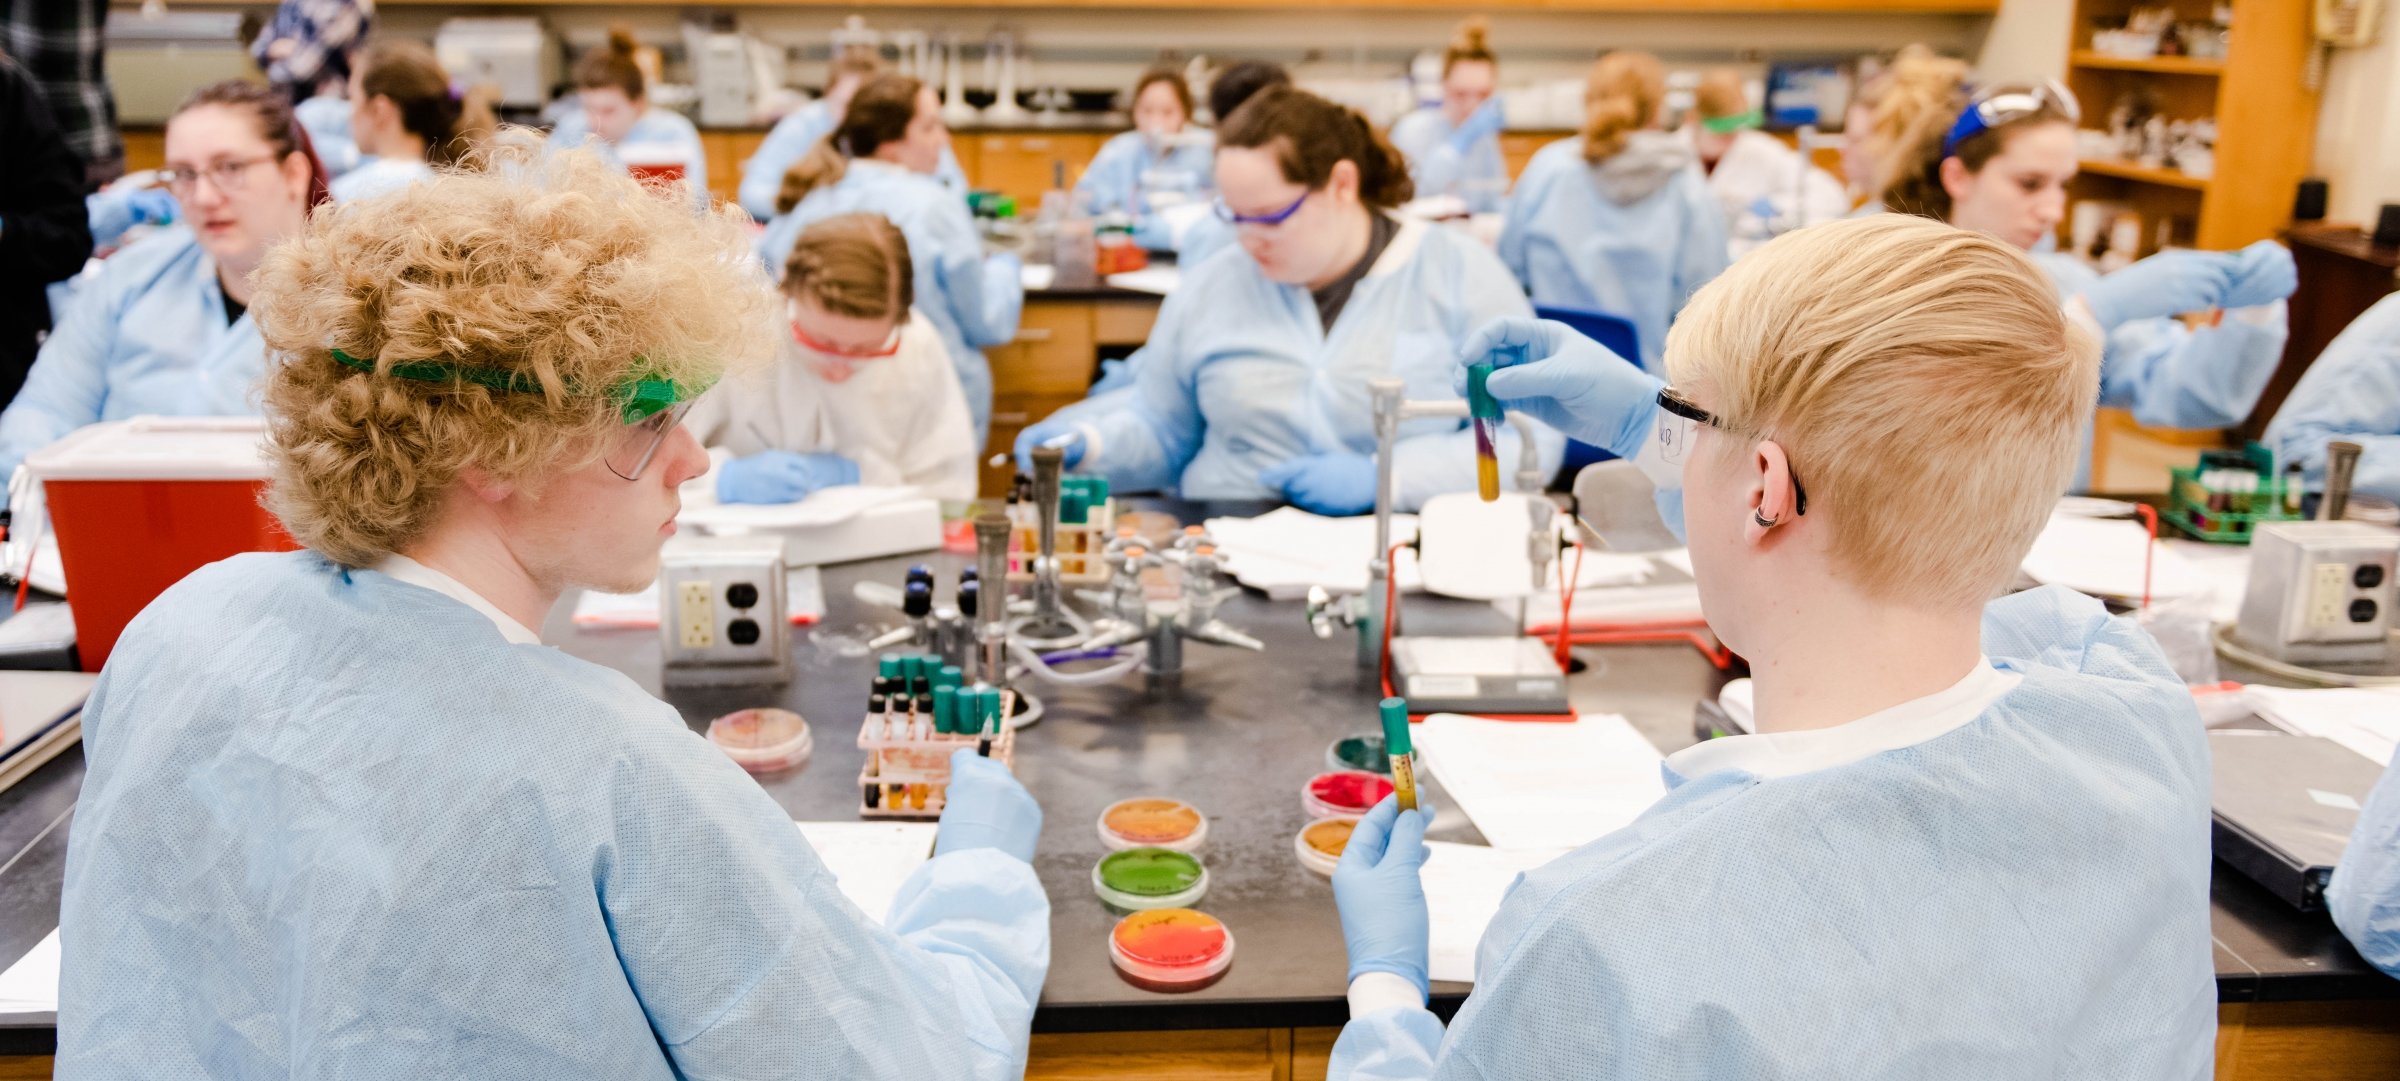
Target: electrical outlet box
{"type": "Point", "coordinates": [2320, 592]}
{"type": "Point", "coordinates": [724, 615]}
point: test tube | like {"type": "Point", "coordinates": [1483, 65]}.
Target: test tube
{"type": "Point", "coordinates": [1395, 742]}
{"type": "Point", "coordinates": [945, 709]}
{"type": "Point", "coordinates": [1484, 411]}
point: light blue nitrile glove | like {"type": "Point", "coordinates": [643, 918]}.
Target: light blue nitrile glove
{"type": "Point", "coordinates": [780, 476]}
{"type": "Point", "coordinates": [1381, 895]}
{"type": "Point", "coordinates": [2262, 274]}
{"type": "Point", "coordinates": [1568, 382]}
{"type": "Point", "coordinates": [111, 213]}
{"type": "Point", "coordinates": [1485, 121]}
{"type": "Point", "coordinates": [1041, 433]}
{"type": "Point", "coordinates": [2169, 283]}
{"type": "Point", "coordinates": [986, 807]}
{"type": "Point", "coordinates": [1336, 485]}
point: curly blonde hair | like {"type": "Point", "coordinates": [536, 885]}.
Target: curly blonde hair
{"type": "Point", "coordinates": [553, 268]}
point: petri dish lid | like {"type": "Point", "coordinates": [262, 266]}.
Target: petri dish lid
{"type": "Point", "coordinates": [1171, 944]}
{"type": "Point", "coordinates": [1140, 878]}
{"type": "Point", "coordinates": [762, 740]}
{"type": "Point", "coordinates": [1153, 822]}
{"type": "Point", "coordinates": [1319, 844]}
{"type": "Point", "coordinates": [1345, 792]}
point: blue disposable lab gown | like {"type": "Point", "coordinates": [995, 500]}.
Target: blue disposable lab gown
{"type": "Point", "coordinates": [2023, 896]}
{"type": "Point", "coordinates": [337, 826]}
{"type": "Point", "coordinates": [1238, 375]}
{"type": "Point", "coordinates": [2351, 392]}
{"type": "Point", "coordinates": [1477, 174]}
{"type": "Point", "coordinates": [2172, 376]}
{"type": "Point", "coordinates": [663, 128]}
{"type": "Point", "coordinates": [790, 140]}
{"type": "Point", "coordinates": [379, 176]}
{"type": "Point", "coordinates": [974, 301]}
{"type": "Point", "coordinates": [147, 335]}
{"type": "Point", "coordinates": [1133, 177]}
{"type": "Point", "coordinates": [327, 119]}
{"type": "Point", "coordinates": [1634, 236]}
{"type": "Point", "coordinates": [2364, 894]}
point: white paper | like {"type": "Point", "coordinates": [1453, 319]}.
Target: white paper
{"type": "Point", "coordinates": [1539, 786]}
{"type": "Point", "coordinates": [2103, 557]}
{"type": "Point", "coordinates": [1464, 885]}
{"type": "Point", "coordinates": [826, 507]}
{"type": "Point", "coordinates": [2364, 719]}
{"type": "Point", "coordinates": [1037, 276]}
{"type": "Point", "coordinates": [1285, 551]}
{"type": "Point", "coordinates": [1160, 280]}
{"type": "Point", "coordinates": [31, 985]}
{"type": "Point", "coordinates": [1478, 551]}
{"type": "Point", "coordinates": [871, 860]}
{"type": "Point", "coordinates": [803, 591]}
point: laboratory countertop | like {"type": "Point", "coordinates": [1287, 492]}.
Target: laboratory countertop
{"type": "Point", "coordinates": [1238, 739]}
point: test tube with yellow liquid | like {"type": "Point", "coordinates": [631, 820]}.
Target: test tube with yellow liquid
{"type": "Point", "coordinates": [1484, 412]}
{"type": "Point", "coordinates": [1396, 743]}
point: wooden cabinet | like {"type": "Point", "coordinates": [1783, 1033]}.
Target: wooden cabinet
{"type": "Point", "coordinates": [1024, 164]}
{"type": "Point", "coordinates": [725, 152]}
{"type": "Point", "coordinates": [1052, 363]}
{"type": "Point", "coordinates": [2266, 116]}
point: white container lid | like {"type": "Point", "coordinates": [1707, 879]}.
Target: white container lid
{"type": "Point", "coordinates": [157, 448]}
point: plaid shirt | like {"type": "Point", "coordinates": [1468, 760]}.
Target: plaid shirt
{"type": "Point", "coordinates": [60, 43]}
{"type": "Point", "coordinates": [322, 33]}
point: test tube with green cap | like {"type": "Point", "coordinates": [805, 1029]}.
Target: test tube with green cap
{"type": "Point", "coordinates": [1395, 741]}
{"type": "Point", "coordinates": [1485, 412]}
{"type": "Point", "coordinates": [950, 675]}
{"type": "Point", "coordinates": [1074, 508]}
{"type": "Point", "coordinates": [945, 709]}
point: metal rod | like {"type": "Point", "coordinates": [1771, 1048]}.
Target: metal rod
{"type": "Point", "coordinates": [2341, 461]}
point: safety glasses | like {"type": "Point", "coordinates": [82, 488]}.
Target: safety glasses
{"type": "Point", "coordinates": [650, 408]}
{"type": "Point", "coordinates": [1268, 220]}
{"type": "Point", "coordinates": [890, 346]}
{"type": "Point", "coordinates": [1679, 424]}
{"type": "Point", "coordinates": [2008, 103]}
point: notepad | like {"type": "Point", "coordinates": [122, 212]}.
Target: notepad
{"type": "Point", "coordinates": [2366, 720]}
{"type": "Point", "coordinates": [826, 506]}
{"type": "Point", "coordinates": [1543, 787]}
{"type": "Point", "coordinates": [1464, 885]}
{"type": "Point", "coordinates": [871, 860]}
{"type": "Point", "coordinates": [31, 985]}
{"type": "Point", "coordinates": [2104, 558]}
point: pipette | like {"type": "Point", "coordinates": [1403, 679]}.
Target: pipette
{"type": "Point", "coordinates": [1485, 413]}
{"type": "Point", "coordinates": [1395, 742]}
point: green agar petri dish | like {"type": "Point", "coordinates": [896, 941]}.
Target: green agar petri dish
{"type": "Point", "coordinates": [1137, 879]}
{"type": "Point", "coordinates": [1363, 751]}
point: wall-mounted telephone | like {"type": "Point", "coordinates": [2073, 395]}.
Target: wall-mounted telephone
{"type": "Point", "coordinates": [2348, 23]}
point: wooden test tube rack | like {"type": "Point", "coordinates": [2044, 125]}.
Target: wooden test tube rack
{"type": "Point", "coordinates": [917, 769]}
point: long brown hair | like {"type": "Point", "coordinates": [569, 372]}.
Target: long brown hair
{"type": "Point", "coordinates": [451, 122]}
{"type": "Point", "coordinates": [271, 110]}
{"type": "Point", "coordinates": [1914, 185]}
{"type": "Point", "coordinates": [879, 113]}
{"type": "Point", "coordinates": [612, 64]}
{"type": "Point", "coordinates": [855, 265]}
{"type": "Point", "coordinates": [1311, 135]}
{"type": "Point", "coordinates": [1621, 97]}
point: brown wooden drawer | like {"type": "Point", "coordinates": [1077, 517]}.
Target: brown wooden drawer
{"type": "Point", "coordinates": [1053, 352]}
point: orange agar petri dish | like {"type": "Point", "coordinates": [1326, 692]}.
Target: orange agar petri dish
{"type": "Point", "coordinates": [762, 740]}
{"type": "Point", "coordinates": [1171, 949]}
{"type": "Point", "coordinates": [1319, 844]}
{"type": "Point", "coordinates": [1153, 822]}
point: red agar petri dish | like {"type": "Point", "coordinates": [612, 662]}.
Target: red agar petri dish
{"type": "Point", "coordinates": [1171, 949]}
{"type": "Point", "coordinates": [1344, 792]}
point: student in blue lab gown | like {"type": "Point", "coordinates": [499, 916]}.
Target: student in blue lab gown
{"type": "Point", "coordinates": [408, 119]}
{"type": "Point", "coordinates": [1164, 163]}
{"type": "Point", "coordinates": [1970, 839]}
{"type": "Point", "coordinates": [164, 328]}
{"type": "Point", "coordinates": [346, 816]}
{"type": "Point", "coordinates": [2351, 392]}
{"type": "Point", "coordinates": [1454, 148]}
{"type": "Point", "coordinates": [881, 160]}
{"type": "Point", "coordinates": [2000, 165]}
{"type": "Point", "coordinates": [1618, 219]}
{"type": "Point", "coordinates": [614, 117]}
{"type": "Point", "coordinates": [792, 137]}
{"type": "Point", "coordinates": [1238, 83]}
{"type": "Point", "coordinates": [1253, 385]}
{"type": "Point", "coordinates": [2364, 893]}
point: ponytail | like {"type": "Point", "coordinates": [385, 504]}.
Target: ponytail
{"type": "Point", "coordinates": [821, 167]}
{"type": "Point", "coordinates": [1311, 135]}
{"type": "Point", "coordinates": [1621, 96]}
{"type": "Point", "coordinates": [879, 113]}
{"type": "Point", "coordinates": [453, 123]}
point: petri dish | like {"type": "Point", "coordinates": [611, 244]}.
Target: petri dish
{"type": "Point", "coordinates": [1363, 751]}
{"type": "Point", "coordinates": [1153, 822]}
{"type": "Point", "coordinates": [762, 740]}
{"type": "Point", "coordinates": [1171, 949]}
{"type": "Point", "coordinates": [1138, 879]}
{"type": "Point", "coordinates": [1319, 844]}
{"type": "Point", "coordinates": [1344, 792]}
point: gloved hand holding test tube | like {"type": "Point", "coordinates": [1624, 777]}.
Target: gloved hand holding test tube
{"type": "Point", "coordinates": [1484, 412]}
